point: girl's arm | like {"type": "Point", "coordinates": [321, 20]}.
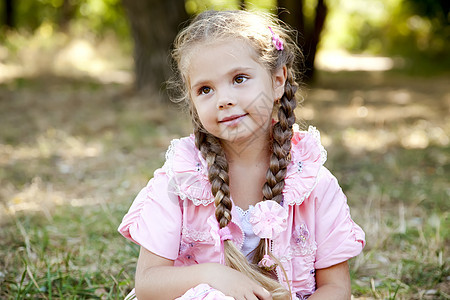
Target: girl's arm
{"type": "Point", "coordinates": [333, 283]}
{"type": "Point", "coordinates": [157, 278]}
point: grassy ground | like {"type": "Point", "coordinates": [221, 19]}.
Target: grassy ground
{"type": "Point", "coordinates": [73, 154]}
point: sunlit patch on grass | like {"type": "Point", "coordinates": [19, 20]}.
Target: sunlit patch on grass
{"type": "Point", "coordinates": [9, 71]}
{"type": "Point", "coordinates": [341, 61]}
{"type": "Point", "coordinates": [55, 146]}
{"type": "Point", "coordinates": [421, 134]}
{"type": "Point", "coordinates": [33, 198]}
{"type": "Point", "coordinates": [368, 140]}
{"type": "Point", "coordinates": [53, 142]}
{"type": "Point", "coordinates": [411, 137]}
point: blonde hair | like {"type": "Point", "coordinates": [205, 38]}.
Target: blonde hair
{"type": "Point", "coordinates": [252, 28]}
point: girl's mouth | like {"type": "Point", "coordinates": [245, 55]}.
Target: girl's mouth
{"type": "Point", "coordinates": [232, 120]}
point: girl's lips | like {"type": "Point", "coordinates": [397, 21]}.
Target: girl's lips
{"type": "Point", "coordinates": [232, 118]}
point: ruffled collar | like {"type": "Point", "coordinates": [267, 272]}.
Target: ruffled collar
{"type": "Point", "coordinates": [189, 174]}
{"type": "Point", "coordinates": [307, 157]}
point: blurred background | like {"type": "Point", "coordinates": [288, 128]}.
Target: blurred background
{"type": "Point", "coordinates": [85, 120]}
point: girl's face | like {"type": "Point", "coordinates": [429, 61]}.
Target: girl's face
{"type": "Point", "coordinates": [232, 92]}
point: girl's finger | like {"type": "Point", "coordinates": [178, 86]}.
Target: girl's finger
{"type": "Point", "coordinates": [251, 296]}
{"type": "Point", "coordinates": [262, 293]}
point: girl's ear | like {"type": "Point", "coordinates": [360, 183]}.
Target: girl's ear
{"type": "Point", "coordinates": [279, 79]}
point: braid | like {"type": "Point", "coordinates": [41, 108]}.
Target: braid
{"type": "Point", "coordinates": [214, 155]}
{"type": "Point", "coordinates": [282, 135]}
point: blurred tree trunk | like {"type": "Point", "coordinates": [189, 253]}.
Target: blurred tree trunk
{"type": "Point", "coordinates": [67, 13]}
{"type": "Point", "coordinates": [308, 37]}
{"type": "Point", "coordinates": [154, 25]}
{"type": "Point", "coordinates": [10, 21]}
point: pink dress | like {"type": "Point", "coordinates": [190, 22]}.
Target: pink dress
{"type": "Point", "coordinates": [169, 216]}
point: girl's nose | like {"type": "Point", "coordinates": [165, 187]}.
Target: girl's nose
{"type": "Point", "coordinates": [225, 102]}
{"type": "Point", "coordinates": [225, 105]}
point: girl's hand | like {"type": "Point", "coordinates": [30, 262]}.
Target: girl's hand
{"type": "Point", "coordinates": [233, 283]}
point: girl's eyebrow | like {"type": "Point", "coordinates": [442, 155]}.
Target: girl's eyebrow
{"type": "Point", "coordinates": [233, 71]}
{"type": "Point", "coordinates": [200, 84]}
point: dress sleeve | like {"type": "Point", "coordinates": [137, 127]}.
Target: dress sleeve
{"type": "Point", "coordinates": [338, 237]}
{"type": "Point", "coordinates": [154, 219]}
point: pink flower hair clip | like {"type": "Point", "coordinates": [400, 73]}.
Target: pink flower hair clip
{"type": "Point", "coordinates": [268, 219]}
{"type": "Point", "coordinates": [276, 40]}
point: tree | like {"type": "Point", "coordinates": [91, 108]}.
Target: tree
{"type": "Point", "coordinates": [154, 25]}
{"type": "Point", "coordinates": [9, 14]}
{"type": "Point", "coordinates": [433, 9]}
{"type": "Point", "coordinates": [67, 12]}
{"type": "Point", "coordinates": [309, 36]}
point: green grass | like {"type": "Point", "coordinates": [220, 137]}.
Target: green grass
{"type": "Point", "coordinates": [405, 216]}
{"type": "Point", "coordinates": [75, 255]}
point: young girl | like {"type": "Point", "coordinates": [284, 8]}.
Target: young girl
{"type": "Point", "coordinates": [243, 208]}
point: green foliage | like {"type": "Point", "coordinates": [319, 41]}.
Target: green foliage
{"type": "Point", "coordinates": [197, 6]}
{"type": "Point", "coordinates": [96, 16]}
{"type": "Point", "coordinates": [416, 30]}
{"type": "Point", "coordinates": [104, 15]}
{"type": "Point", "coordinates": [433, 9]}
{"type": "Point", "coordinates": [404, 27]}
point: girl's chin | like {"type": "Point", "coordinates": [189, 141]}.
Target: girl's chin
{"type": "Point", "coordinates": [240, 140]}
{"type": "Point", "coordinates": [240, 133]}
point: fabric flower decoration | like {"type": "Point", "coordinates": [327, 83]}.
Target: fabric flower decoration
{"type": "Point", "coordinates": [268, 219]}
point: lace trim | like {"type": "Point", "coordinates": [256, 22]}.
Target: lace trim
{"type": "Point", "coordinates": [195, 235]}
{"type": "Point", "coordinates": [239, 242]}
{"type": "Point", "coordinates": [316, 135]}
{"type": "Point", "coordinates": [242, 212]}
{"type": "Point", "coordinates": [184, 196]}
{"type": "Point", "coordinates": [170, 153]}
{"type": "Point", "coordinates": [300, 250]}
{"type": "Point", "coordinates": [309, 249]}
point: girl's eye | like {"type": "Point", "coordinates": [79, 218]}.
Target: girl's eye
{"type": "Point", "coordinates": [240, 79]}
{"type": "Point", "coordinates": [204, 90]}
